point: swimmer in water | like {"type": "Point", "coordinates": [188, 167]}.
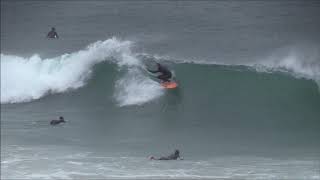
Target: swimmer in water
{"type": "Point", "coordinates": [53, 34]}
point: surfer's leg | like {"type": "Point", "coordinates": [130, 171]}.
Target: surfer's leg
{"type": "Point", "coordinates": [164, 77]}
{"type": "Point", "coordinates": [164, 158]}
{"type": "Point", "coordinates": [153, 158]}
{"type": "Point", "coordinates": [161, 77]}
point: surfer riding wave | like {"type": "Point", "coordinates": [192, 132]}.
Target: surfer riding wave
{"type": "Point", "coordinates": [165, 73]}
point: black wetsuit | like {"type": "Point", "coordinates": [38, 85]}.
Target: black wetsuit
{"type": "Point", "coordinates": [166, 74]}
{"type": "Point", "coordinates": [55, 122]}
{"type": "Point", "coordinates": [52, 34]}
{"type": "Point", "coordinates": [171, 157]}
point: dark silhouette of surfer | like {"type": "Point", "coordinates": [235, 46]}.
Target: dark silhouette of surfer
{"type": "Point", "coordinates": [174, 156]}
{"type": "Point", "coordinates": [165, 73]}
{"type": "Point", "coordinates": [53, 34]}
{"type": "Point", "coordinates": [55, 122]}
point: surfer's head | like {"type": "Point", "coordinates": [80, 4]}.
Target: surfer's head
{"type": "Point", "coordinates": [53, 29]}
{"type": "Point", "coordinates": [176, 152]}
{"type": "Point", "coordinates": [61, 119]}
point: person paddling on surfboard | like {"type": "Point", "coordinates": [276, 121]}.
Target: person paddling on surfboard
{"type": "Point", "coordinates": [174, 156]}
{"type": "Point", "coordinates": [165, 73]}
{"type": "Point", "coordinates": [56, 122]}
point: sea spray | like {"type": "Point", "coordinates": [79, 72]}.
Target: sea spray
{"type": "Point", "coordinates": [26, 79]}
{"type": "Point", "coordinates": [135, 89]}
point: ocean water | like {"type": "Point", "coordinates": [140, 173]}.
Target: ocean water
{"type": "Point", "coordinates": [247, 105]}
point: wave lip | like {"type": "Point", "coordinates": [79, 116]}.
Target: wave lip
{"type": "Point", "coordinates": [26, 79]}
{"type": "Point", "coordinates": [294, 64]}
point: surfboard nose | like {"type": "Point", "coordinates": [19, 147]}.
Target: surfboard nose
{"type": "Point", "coordinates": [169, 85]}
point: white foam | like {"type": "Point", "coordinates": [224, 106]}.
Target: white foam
{"type": "Point", "coordinates": [26, 79]}
{"type": "Point", "coordinates": [134, 88]}
{"type": "Point", "coordinates": [294, 63]}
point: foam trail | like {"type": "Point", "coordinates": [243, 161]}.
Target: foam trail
{"type": "Point", "coordinates": [26, 79]}
{"type": "Point", "coordinates": [134, 88]}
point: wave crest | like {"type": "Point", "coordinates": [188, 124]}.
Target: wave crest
{"type": "Point", "coordinates": [26, 79]}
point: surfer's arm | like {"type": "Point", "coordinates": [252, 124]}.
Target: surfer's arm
{"type": "Point", "coordinates": [153, 158]}
{"type": "Point", "coordinates": [153, 71]}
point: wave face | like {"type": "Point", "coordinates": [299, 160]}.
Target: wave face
{"type": "Point", "coordinates": [27, 79]}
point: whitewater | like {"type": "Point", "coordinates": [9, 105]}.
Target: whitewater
{"type": "Point", "coordinates": [25, 79]}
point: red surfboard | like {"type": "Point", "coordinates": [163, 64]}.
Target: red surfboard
{"type": "Point", "coordinates": [169, 85]}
